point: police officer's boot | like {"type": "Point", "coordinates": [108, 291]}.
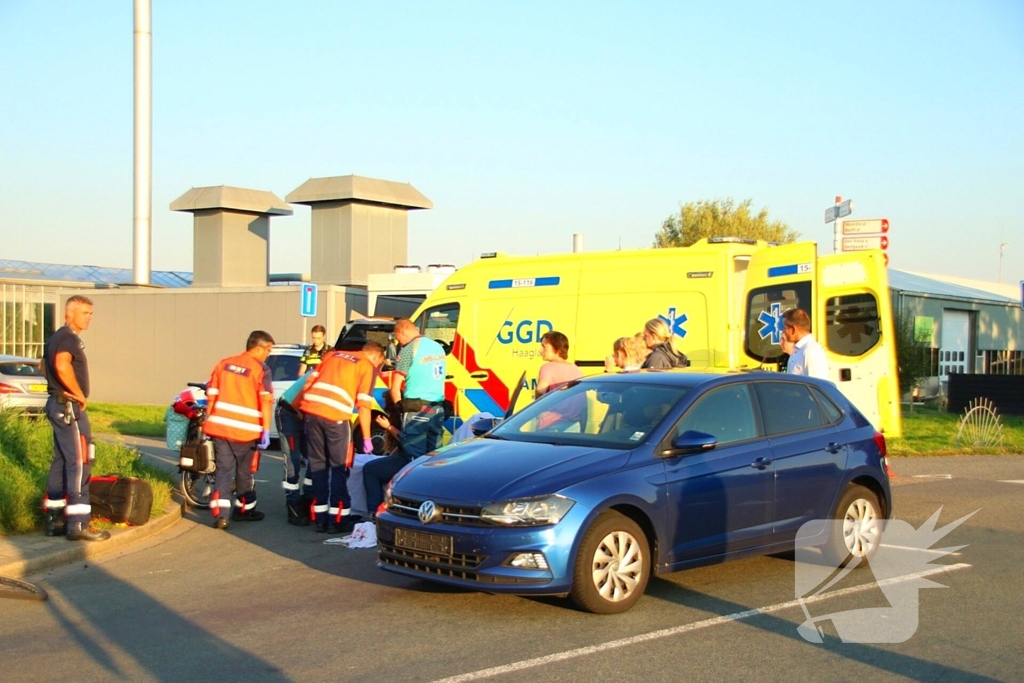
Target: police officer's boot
{"type": "Point", "coordinates": [56, 523]}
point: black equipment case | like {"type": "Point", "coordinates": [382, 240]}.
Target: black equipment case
{"type": "Point", "coordinates": [121, 499]}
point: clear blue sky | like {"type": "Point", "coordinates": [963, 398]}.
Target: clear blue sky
{"type": "Point", "coordinates": [523, 122]}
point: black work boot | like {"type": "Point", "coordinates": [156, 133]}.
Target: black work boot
{"type": "Point", "coordinates": [297, 515]}
{"type": "Point", "coordinates": [250, 516]}
{"type": "Point", "coordinates": [86, 533]}
{"type": "Point", "coordinates": [56, 523]}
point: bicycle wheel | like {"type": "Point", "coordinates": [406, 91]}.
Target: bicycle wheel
{"type": "Point", "coordinates": [21, 590]}
{"type": "Point", "coordinates": [197, 488]}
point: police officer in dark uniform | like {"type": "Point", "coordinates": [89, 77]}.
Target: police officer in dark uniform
{"type": "Point", "coordinates": [67, 382]}
{"type": "Point", "coordinates": [315, 352]}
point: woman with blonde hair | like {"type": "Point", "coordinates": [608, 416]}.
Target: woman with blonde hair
{"type": "Point", "coordinates": [658, 338]}
{"type": "Point", "coordinates": [627, 355]}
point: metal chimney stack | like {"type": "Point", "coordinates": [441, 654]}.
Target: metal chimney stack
{"type": "Point", "coordinates": [143, 251]}
{"type": "Point", "coordinates": [577, 243]}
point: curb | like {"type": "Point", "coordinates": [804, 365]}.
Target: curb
{"type": "Point", "coordinates": [77, 552]}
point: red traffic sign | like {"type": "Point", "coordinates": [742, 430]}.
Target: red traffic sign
{"type": "Point", "coordinates": [865, 243]}
{"type": "Point", "coordinates": [866, 227]}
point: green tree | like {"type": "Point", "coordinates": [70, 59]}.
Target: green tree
{"type": "Point", "coordinates": [720, 218]}
{"type": "Point", "coordinates": [912, 356]}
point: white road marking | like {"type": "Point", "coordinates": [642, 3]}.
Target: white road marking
{"type": "Point", "coordinates": [686, 628]}
{"type": "Point", "coordinates": [922, 550]}
{"type": "Point", "coordinates": [932, 476]}
{"type": "Point", "coordinates": [1011, 481]}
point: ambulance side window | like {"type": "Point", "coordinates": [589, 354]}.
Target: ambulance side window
{"type": "Point", "coordinates": [439, 323]}
{"type": "Point", "coordinates": [765, 306]}
{"type": "Point", "coordinates": [851, 323]}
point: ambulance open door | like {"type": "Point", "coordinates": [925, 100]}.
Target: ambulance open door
{"type": "Point", "coordinates": [853, 310]}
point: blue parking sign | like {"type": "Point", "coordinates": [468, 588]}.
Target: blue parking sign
{"type": "Point", "coordinates": [308, 304]}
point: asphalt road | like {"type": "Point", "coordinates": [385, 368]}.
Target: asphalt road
{"type": "Point", "coordinates": [269, 602]}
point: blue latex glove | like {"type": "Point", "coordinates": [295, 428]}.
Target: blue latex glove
{"type": "Point", "coordinates": [264, 441]}
{"type": "Point", "coordinates": [367, 445]}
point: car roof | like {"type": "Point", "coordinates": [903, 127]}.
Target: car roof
{"type": "Point", "coordinates": [17, 359]}
{"type": "Point", "coordinates": [692, 378]}
{"type": "Point", "coordinates": [285, 348]}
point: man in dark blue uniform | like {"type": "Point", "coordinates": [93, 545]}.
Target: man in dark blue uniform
{"type": "Point", "coordinates": [67, 379]}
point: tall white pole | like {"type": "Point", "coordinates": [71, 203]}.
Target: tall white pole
{"type": "Point", "coordinates": [143, 257]}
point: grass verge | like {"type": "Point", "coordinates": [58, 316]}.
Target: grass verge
{"type": "Point", "coordinates": [26, 451]}
{"type": "Point", "coordinates": [127, 419]}
{"type": "Point", "coordinates": [929, 432]}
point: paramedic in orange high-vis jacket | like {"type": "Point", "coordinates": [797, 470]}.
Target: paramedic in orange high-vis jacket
{"type": "Point", "coordinates": [239, 414]}
{"type": "Point", "coordinates": [339, 386]}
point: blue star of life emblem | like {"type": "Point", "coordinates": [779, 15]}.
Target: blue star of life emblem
{"type": "Point", "coordinates": [675, 322]}
{"type": "Point", "coordinates": [772, 321]}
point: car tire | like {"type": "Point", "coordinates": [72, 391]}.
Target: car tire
{"type": "Point", "coordinates": [612, 565]}
{"type": "Point", "coordinates": [855, 529]}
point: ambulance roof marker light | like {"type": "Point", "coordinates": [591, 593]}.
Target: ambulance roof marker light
{"type": "Point", "coordinates": [731, 240]}
{"type": "Point", "coordinates": [489, 254]}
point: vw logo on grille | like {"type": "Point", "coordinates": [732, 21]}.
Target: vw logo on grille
{"type": "Point", "coordinates": [429, 513]}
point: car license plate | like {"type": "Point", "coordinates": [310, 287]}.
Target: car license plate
{"type": "Point", "coordinates": [435, 544]}
{"type": "Point", "coordinates": [37, 388]}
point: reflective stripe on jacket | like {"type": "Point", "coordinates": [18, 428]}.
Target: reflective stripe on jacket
{"type": "Point", "coordinates": [343, 380]}
{"type": "Point", "coordinates": [238, 387]}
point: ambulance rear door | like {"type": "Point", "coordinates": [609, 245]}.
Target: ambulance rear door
{"type": "Point", "coordinates": [778, 279]}
{"type": "Point", "coordinates": [855, 307]}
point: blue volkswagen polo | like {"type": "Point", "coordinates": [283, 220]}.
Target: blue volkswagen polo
{"type": "Point", "coordinates": [593, 487]}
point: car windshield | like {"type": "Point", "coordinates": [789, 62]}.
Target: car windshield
{"type": "Point", "coordinates": [19, 369]}
{"type": "Point", "coordinates": [598, 414]}
{"type": "Point", "coordinates": [283, 368]}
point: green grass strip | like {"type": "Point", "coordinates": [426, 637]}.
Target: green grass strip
{"type": "Point", "coordinates": [26, 451]}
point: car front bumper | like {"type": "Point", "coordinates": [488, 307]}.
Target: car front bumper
{"type": "Point", "coordinates": [480, 556]}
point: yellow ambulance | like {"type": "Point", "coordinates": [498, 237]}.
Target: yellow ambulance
{"type": "Point", "coordinates": [723, 299]}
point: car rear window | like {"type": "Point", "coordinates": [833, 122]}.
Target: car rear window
{"type": "Point", "coordinates": [18, 369]}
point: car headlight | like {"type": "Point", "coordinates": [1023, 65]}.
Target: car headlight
{"type": "Point", "coordinates": [527, 511]}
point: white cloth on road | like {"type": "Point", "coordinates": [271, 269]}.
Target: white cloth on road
{"type": "Point", "coordinates": [364, 535]}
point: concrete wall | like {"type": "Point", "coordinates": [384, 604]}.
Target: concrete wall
{"type": "Point", "coordinates": [145, 344]}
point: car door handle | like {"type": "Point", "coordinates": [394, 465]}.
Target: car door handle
{"type": "Point", "coordinates": [480, 375]}
{"type": "Point", "coordinates": [834, 448]}
{"type": "Point", "coordinates": [761, 463]}
{"type": "Point", "coordinates": [449, 377]}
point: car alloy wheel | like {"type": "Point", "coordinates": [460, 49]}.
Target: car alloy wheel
{"type": "Point", "coordinates": [612, 565]}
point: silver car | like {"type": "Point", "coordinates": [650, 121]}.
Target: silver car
{"type": "Point", "coordinates": [21, 384]}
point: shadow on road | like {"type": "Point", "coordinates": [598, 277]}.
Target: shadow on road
{"type": "Point", "coordinates": [160, 640]}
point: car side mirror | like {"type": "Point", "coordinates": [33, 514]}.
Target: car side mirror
{"type": "Point", "coordinates": [481, 427]}
{"type": "Point", "coordinates": [690, 442]}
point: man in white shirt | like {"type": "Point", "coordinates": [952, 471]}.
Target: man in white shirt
{"type": "Point", "coordinates": [808, 357]}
